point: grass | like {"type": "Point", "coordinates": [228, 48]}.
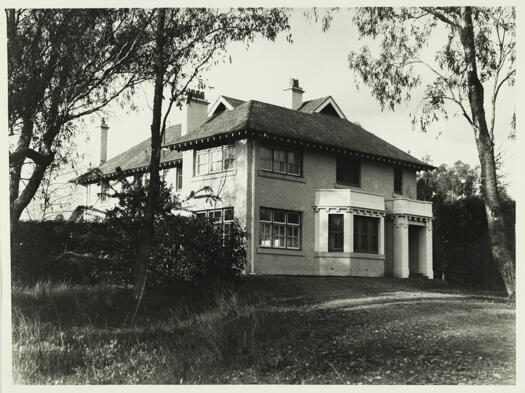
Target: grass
{"type": "Point", "coordinates": [264, 330]}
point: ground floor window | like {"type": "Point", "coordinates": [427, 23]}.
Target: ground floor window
{"type": "Point", "coordinates": [279, 228]}
{"type": "Point", "coordinates": [366, 231]}
{"type": "Point", "coordinates": [221, 217]}
{"type": "Point", "coordinates": [335, 232]}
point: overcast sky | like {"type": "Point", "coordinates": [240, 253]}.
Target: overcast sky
{"type": "Point", "coordinates": [319, 61]}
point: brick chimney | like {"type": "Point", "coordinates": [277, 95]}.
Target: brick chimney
{"type": "Point", "coordinates": [296, 93]}
{"type": "Point", "coordinates": [103, 141]}
{"type": "Point", "coordinates": [195, 111]}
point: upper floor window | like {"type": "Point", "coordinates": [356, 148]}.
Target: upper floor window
{"type": "Point", "coordinates": [336, 232]}
{"type": "Point", "coordinates": [398, 180]}
{"type": "Point", "coordinates": [366, 234]}
{"type": "Point", "coordinates": [214, 160]}
{"type": "Point", "coordinates": [280, 160]}
{"type": "Point", "coordinates": [348, 170]}
{"type": "Point", "coordinates": [178, 182]}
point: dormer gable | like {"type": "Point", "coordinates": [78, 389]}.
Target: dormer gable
{"type": "Point", "coordinates": [224, 103]}
{"type": "Point", "coordinates": [324, 105]}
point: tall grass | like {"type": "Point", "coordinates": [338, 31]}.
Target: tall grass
{"type": "Point", "coordinates": [81, 334]}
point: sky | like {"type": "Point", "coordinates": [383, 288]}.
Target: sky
{"type": "Point", "coordinates": [319, 60]}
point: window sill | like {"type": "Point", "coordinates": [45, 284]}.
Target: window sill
{"type": "Point", "coordinates": [397, 195]}
{"type": "Point", "coordinates": [364, 255]}
{"type": "Point", "coordinates": [331, 254]}
{"type": "Point", "coordinates": [209, 176]}
{"type": "Point", "coordinates": [281, 176]}
{"type": "Point", "coordinates": [280, 251]}
{"type": "Point", "coordinates": [346, 186]}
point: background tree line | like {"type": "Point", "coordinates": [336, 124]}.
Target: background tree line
{"type": "Point", "coordinates": [461, 250]}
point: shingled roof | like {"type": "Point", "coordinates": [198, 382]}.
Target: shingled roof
{"type": "Point", "coordinates": [134, 160]}
{"type": "Point", "coordinates": [283, 125]}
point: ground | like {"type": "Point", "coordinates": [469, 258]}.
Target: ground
{"type": "Point", "coordinates": [335, 330]}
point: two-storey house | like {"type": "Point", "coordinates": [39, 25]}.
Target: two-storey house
{"type": "Point", "coordinates": [318, 194]}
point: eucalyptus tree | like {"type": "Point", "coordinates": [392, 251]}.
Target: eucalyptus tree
{"type": "Point", "coordinates": [475, 60]}
{"type": "Point", "coordinates": [185, 43]}
{"type": "Point", "coordinates": [63, 65]}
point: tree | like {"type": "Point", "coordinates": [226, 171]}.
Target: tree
{"type": "Point", "coordinates": [476, 60]}
{"type": "Point", "coordinates": [449, 184]}
{"type": "Point", "coordinates": [185, 42]}
{"type": "Point", "coordinates": [63, 65]}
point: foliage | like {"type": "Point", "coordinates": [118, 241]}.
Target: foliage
{"type": "Point", "coordinates": [63, 65]}
{"type": "Point", "coordinates": [479, 50]}
{"type": "Point", "coordinates": [461, 248]}
{"type": "Point", "coordinates": [448, 184]}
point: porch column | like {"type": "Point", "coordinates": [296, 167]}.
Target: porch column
{"type": "Point", "coordinates": [348, 244]}
{"type": "Point", "coordinates": [322, 234]}
{"type": "Point", "coordinates": [381, 236]}
{"type": "Point", "coordinates": [401, 269]}
{"type": "Point", "coordinates": [425, 256]}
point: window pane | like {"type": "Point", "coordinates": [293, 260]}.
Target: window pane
{"type": "Point", "coordinates": [335, 232]}
{"type": "Point", "coordinates": [179, 179]}
{"type": "Point", "coordinates": [279, 235]}
{"type": "Point", "coordinates": [335, 222]}
{"type": "Point", "coordinates": [279, 161]}
{"type": "Point", "coordinates": [398, 180]}
{"type": "Point", "coordinates": [293, 217]}
{"type": "Point", "coordinates": [216, 215]}
{"type": "Point", "coordinates": [228, 214]}
{"type": "Point", "coordinates": [228, 156]}
{"type": "Point", "coordinates": [200, 215]}
{"type": "Point", "coordinates": [266, 158]}
{"type": "Point", "coordinates": [293, 163]}
{"type": "Point", "coordinates": [202, 162]}
{"type": "Point", "coordinates": [348, 170]}
{"type": "Point", "coordinates": [265, 215]}
{"type": "Point", "coordinates": [292, 237]}
{"type": "Point", "coordinates": [216, 160]}
{"type": "Point", "coordinates": [279, 216]}
{"type": "Point", "coordinates": [265, 234]}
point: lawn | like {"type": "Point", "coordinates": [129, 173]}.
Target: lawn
{"type": "Point", "coordinates": [335, 330]}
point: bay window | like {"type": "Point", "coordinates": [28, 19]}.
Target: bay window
{"type": "Point", "coordinates": [366, 231]}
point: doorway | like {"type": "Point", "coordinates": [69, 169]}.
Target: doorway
{"type": "Point", "coordinates": [414, 233]}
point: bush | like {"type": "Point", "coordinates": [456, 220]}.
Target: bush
{"type": "Point", "coordinates": [86, 252]}
{"type": "Point", "coordinates": [462, 245]}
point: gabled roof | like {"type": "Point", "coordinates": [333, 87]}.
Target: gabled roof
{"type": "Point", "coordinates": [134, 160]}
{"type": "Point", "coordinates": [311, 105]}
{"type": "Point", "coordinates": [320, 105]}
{"type": "Point", "coordinates": [224, 103]}
{"type": "Point", "coordinates": [283, 125]}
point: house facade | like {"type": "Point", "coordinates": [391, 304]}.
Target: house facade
{"type": "Point", "coordinates": [318, 194]}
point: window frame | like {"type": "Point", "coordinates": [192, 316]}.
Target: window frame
{"type": "Point", "coordinates": [178, 178]}
{"type": "Point", "coordinates": [344, 162]}
{"type": "Point", "coordinates": [363, 225]}
{"type": "Point", "coordinates": [271, 160]}
{"type": "Point", "coordinates": [339, 232]}
{"type": "Point", "coordinates": [286, 224]}
{"type": "Point", "coordinates": [211, 213]}
{"type": "Point", "coordinates": [227, 161]}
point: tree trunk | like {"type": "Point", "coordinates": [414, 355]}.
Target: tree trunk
{"type": "Point", "coordinates": [500, 244]}
{"type": "Point", "coordinates": [148, 235]}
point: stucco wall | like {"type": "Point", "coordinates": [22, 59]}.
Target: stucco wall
{"type": "Point", "coordinates": [229, 186]}
{"type": "Point", "coordinates": [290, 193]}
